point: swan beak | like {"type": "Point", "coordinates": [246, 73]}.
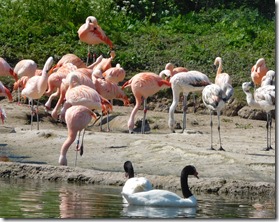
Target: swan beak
{"type": "Point", "coordinates": [196, 174]}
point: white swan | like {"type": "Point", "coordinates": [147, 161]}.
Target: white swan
{"type": "Point", "coordinates": [164, 198]}
{"type": "Point", "coordinates": [134, 184]}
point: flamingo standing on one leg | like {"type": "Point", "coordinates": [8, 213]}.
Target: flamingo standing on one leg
{"type": "Point", "coordinates": [258, 71]}
{"type": "Point", "coordinates": [264, 98]}
{"type": "Point", "coordinates": [143, 84]}
{"type": "Point", "coordinates": [214, 98]}
{"type": "Point", "coordinates": [92, 34]}
{"type": "Point", "coordinates": [185, 82]}
{"type": "Point", "coordinates": [6, 69]}
{"type": "Point", "coordinates": [36, 86]}
{"type": "Point", "coordinates": [77, 118]}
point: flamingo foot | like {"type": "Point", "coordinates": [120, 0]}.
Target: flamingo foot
{"type": "Point", "coordinates": [221, 149]}
{"type": "Point", "coordinates": [62, 160]}
{"type": "Point", "coordinates": [211, 148]}
{"type": "Point", "coordinates": [267, 148]}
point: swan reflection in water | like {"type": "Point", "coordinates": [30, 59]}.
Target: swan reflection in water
{"type": "Point", "coordinates": [158, 212]}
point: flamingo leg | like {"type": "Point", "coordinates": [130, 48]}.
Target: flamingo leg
{"type": "Point", "coordinates": [81, 145]}
{"type": "Point", "coordinates": [219, 130]}
{"type": "Point", "coordinates": [184, 111]}
{"type": "Point", "coordinates": [194, 98]}
{"type": "Point", "coordinates": [211, 125]}
{"type": "Point", "coordinates": [108, 129]}
{"type": "Point", "coordinates": [101, 122]}
{"type": "Point", "coordinates": [77, 148]}
{"type": "Point", "coordinates": [37, 114]}
{"type": "Point", "coordinates": [268, 132]}
{"type": "Point", "coordinates": [144, 116]}
{"type": "Point", "coordinates": [175, 95]}
{"type": "Point", "coordinates": [88, 55]}
{"type": "Point", "coordinates": [32, 112]}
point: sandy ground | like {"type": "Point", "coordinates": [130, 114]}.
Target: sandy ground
{"type": "Point", "coordinates": [159, 154]}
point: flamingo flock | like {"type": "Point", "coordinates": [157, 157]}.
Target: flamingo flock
{"type": "Point", "coordinates": [84, 90]}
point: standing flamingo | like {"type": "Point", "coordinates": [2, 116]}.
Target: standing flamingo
{"type": "Point", "coordinates": [55, 80]}
{"type": "Point", "coordinates": [114, 74]}
{"type": "Point", "coordinates": [82, 74]}
{"type": "Point", "coordinates": [68, 58]}
{"type": "Point", "coordinates": [110, 91]}
{"type": "Point", "coordinates": [4, 91]}
{"type": "Point", "coordinates": [77, 118]}
{"type": "Point", "coordinates": [92, 34]}
{"type": "Point", "coordinates": [174, 70]}
{"type": "Point", "coordinates": [25, 67]}
{"type": "Point", "coordinates": [143, 84]}
{"type": "Point", "coordinates": [221, 78]}
{"type": "Point", "coordinates": [78, 94]}
{"type": "Point", "coordinates": [185, 82]}
{"type": "Point", "coordinates": [214, 98]}
{"type": "Point", "coordinates": [36, 86]}
{"type": "Point", "coordinates": [258, 71]}
{"type": "Point", "coordinates": [264, 98]}
{"type": "Point", "coordinates": [6, 69]}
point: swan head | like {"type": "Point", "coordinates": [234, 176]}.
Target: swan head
{"type": "Point", "coordinates": [129, 169]}
{"type": "Point", "coordinates": [190, 170]}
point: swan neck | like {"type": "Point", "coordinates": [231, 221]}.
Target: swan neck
{"type": "Point", "coordinates": [184, 185]}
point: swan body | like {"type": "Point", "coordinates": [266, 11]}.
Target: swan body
{"type": "Point", "coordinates": [165, 198]}
{"type": "Point", "coordinates": [160, 198]}
{"type": "Point", "coordinates": [134, 184]}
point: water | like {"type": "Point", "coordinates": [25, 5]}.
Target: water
{"type": "Point", "coordinates": [42, 199]}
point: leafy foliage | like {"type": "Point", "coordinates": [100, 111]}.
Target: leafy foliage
{"type": "Point", "coordinates": [146, 34]}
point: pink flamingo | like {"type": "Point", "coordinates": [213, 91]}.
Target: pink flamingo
{"type": "Point", "coordinates": [55, 80]}
{"type": "Point", "coordinates": [25, 67]}
{"type": "Point", "coordinates": [175, 70]}
{"type": "Point", "coordinates": [6, 69]}
{"type": "Point", "coordinates": [221, 78]}
{"type": "Point", "coordinates": [114, 74]}
{"type": "Point", "coordinates": [143, 84]}
{"type": "Point", "coordinates": [92, 34]}
{"type": "Point", "coordinates": [104, 64]}
{"type": "Point", "coordinates": [77, 118]}
{"type": "Point", "coordinates": [4, 91]}
{"type": "Point", "coordinates": [36, 86]}
{"type": "Point", "coordinates": [82, 74]}
{"type": "Point", "coordinates": [110, 91]}
{"type": "Point", "coordinates": [68, 58]}
{"type": "Point", "coordinates": [185, 82]}
{"type": "Point", "coordinates": [258, 71]}
{"type": "Point", "coordinates": [78, 94]}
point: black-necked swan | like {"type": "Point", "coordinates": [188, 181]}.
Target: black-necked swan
{"type": "Point", "coordinates": [134, 184]}
{"type": "Point", "coordinates": [164, 198]}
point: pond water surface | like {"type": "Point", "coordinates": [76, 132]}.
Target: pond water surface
{"type": "Point", "coordinates": [22, 198]}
